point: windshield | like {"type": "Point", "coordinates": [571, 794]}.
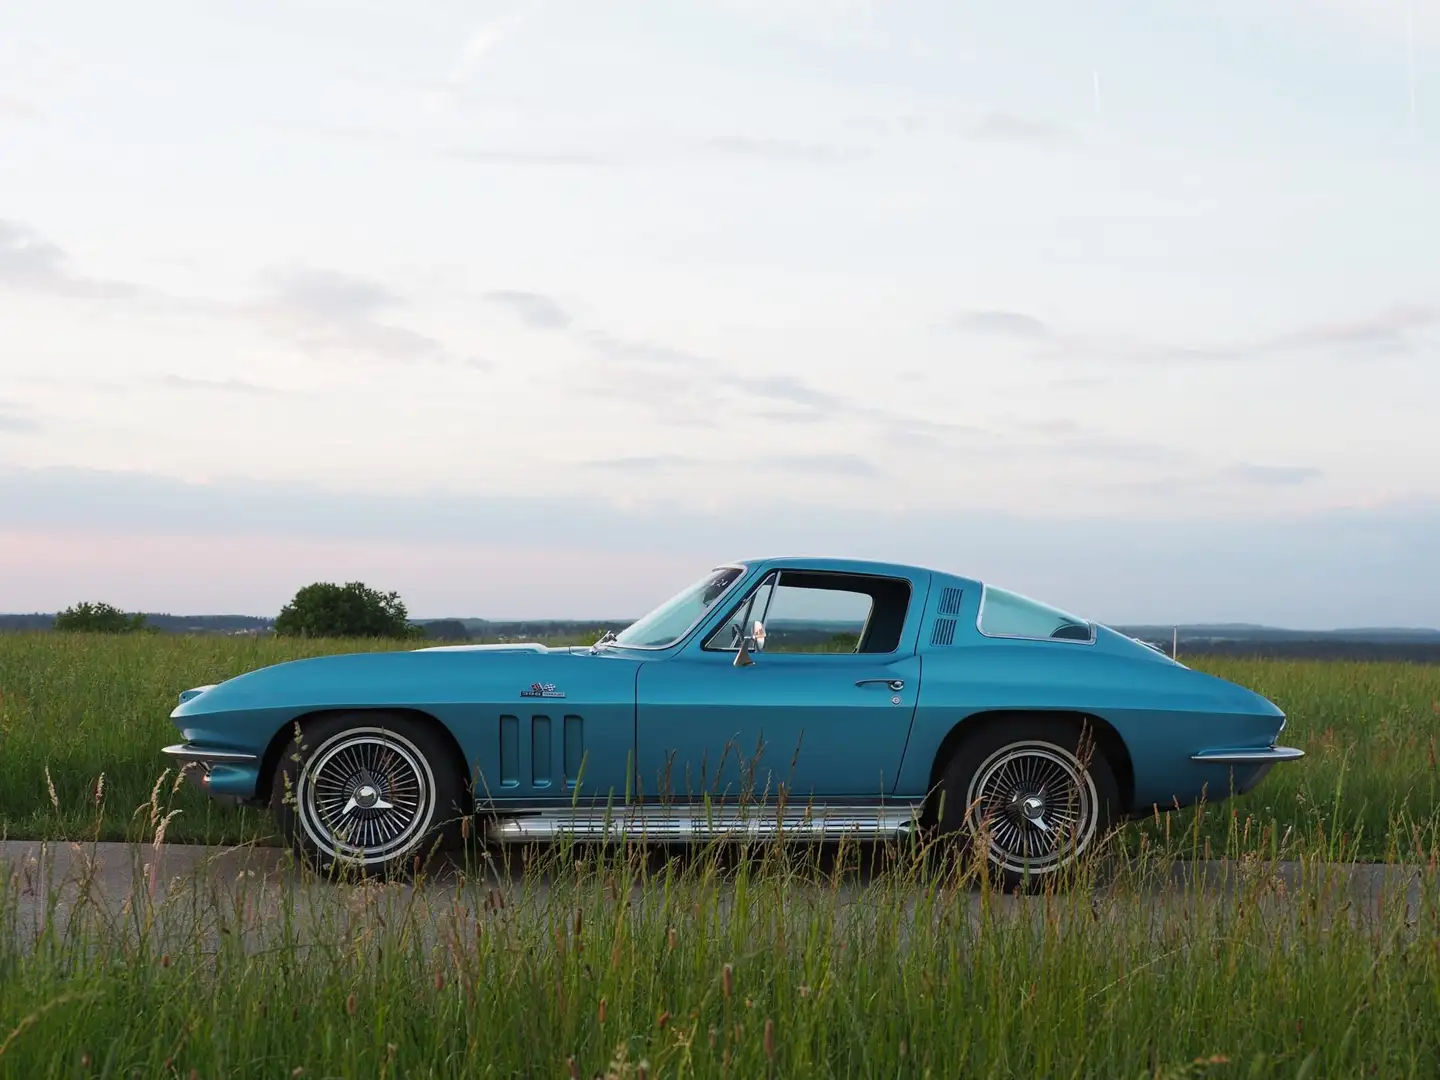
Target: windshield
{"type": "Point", "coordinates": [668, 623]}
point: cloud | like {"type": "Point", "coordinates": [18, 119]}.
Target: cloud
{"type": "Point", "coordinates": [562, 158]}
{"type": "Point", "coordinates": [678, 383]}
{"type": "Point", "coordinates": [1192, 565]}
{"type": "Point", "coordinates": [1274, 475]}
{"type": "Point", "coordinates": [643, 463]}
{"type": "Point", "coordinates": [1009, 128]}
{"type": "Point", "coordinates": [30, 262]}
{"type": "Point", "coordinates": [536, 309]}
{"type": "Point", "coordinates": [1386, 331]}
{"type": "Point", "coordinates": [784, 150]}
{"type": "Point", "coordinates": [482, 41]}
{"type": "Point", "coordinates": [224, 386]}
{"type": "Point", "coordinates": [646, 352]}
{"type": "Point", "coordinates": [326, 311]}
{"type": "Point", "coordinates": [1011, 324]}
{"type": "Point", "coordinates": [14, 421]}
{"type": "Point", "coordinates": [1389, 332]}
{"type": "Point", "coordinates": [12, 108]}
{"type": "Point", "coordinates": [791, 391]}
{"type": "Point", "coordinates": [318, 309]}
{"type": "Point", "coordinates": [477, 46]}
{"type": "Point", "coordinates": [834, 464]}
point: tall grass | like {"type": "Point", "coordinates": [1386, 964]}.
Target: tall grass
{"type": "Point", "coordinates": [770, 963]}
{"type": "Point", "coordinates": [79, 707]}
{"type": "Point", "coordinates": [722, 962]}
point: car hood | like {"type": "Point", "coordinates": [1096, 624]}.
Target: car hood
{"type": "Point", "coordinates": [438, 673]}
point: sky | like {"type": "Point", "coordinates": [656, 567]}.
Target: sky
{"type": "Point", "coordinates": [541, 308]}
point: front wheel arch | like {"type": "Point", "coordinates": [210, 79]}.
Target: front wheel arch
{"type": "Point", "coordinates": [281, 739]}
{"type": "Point", "coordinates": [1107, 741]}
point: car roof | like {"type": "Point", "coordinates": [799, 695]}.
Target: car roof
{"type": "Point", "coordinates": [853, 566]}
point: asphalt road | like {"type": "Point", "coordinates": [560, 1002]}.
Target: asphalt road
{"type": "Point", "coordinates": [183, 889]}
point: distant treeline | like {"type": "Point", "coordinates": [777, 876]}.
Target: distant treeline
{"type": "Point", "coordinates": [170, 624]}
{"type": "Point", "coordinates": [1413, 645]}
{"type": "Point", "coordinates": [1416, 652]}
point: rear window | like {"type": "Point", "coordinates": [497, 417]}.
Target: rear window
{"type": "Point", "coordinates": [1007, 614]}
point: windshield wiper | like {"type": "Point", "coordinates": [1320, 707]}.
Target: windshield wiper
{"type": "Point", "coordinates": [605, 638]}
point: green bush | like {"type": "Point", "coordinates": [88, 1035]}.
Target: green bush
{"type": "Point", "coordinates": [353, 610]}
{"type": "Point", "coordinates": [99, 619]}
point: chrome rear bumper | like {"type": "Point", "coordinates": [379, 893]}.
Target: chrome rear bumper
{"type": "Point", "coordinates": [208, 756]}
{"type": "Point", "coordinates": [230, 775]}
{"type": "Point", "coordinates": [1262, 755]}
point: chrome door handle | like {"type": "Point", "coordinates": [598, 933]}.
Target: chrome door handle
{"type": "Point", "coordinates": [894, 684]}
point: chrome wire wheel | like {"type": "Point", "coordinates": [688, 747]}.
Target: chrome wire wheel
{"type": "Point", "coordinates": [365, 796]}
{"type": "Point", "coordinates": [1035, 807]}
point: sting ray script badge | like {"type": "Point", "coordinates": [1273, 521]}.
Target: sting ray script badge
{"type": "Point", "coordinates": [538, 689]}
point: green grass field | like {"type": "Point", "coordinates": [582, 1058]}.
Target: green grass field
{"type": "Point", "coordinates": [76, 708]}
{"type": "Point", "coordinates": [719, 965]}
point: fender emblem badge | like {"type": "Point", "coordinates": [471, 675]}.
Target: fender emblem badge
{"type": "Point", "coordinates": [542, 690]}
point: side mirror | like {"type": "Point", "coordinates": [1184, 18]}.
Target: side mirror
{"type": "Point", "coordinates": [742, 654]}
{"type": "Point", "coordinates": [754, 642]}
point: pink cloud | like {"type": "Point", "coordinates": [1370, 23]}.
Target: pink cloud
{"type": "Point", "coordinates": [255, 575]}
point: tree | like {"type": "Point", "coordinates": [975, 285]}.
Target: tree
{"type": "Point", "coordinates": [446, 630]}
{"type": "Point", "coordinates": [351, 610]}
{"type": "Point", "coordinates": [99, 619]}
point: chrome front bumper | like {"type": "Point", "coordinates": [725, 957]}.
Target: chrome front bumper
{"type": "Point", "coordinates": [1263, 755]}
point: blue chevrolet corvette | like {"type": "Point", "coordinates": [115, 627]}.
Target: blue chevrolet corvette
{"type": "Point", "coordinates": [796, 697]}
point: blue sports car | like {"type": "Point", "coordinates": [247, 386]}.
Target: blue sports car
{"type": "Point", "coordinates": [784, 697]}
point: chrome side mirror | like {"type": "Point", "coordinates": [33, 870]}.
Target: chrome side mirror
{"type": "Point", "coordinates": [742, 654]}
{"type": "Point", "coordinates": [754, 642]}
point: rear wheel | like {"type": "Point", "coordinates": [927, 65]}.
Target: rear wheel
{"type": "Point", "coordinates": [366, 792]}
{"type": "Point", "coordinates": [1032, 794]}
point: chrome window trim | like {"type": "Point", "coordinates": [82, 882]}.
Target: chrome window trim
{"type": "Point", "coordinates": [781, 571]}
{"type": "Point", "coordinates": [980, 618]}
{"type": "Point", "coordinates": [774, 572]}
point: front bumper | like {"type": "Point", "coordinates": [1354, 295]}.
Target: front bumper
{"type": "Point", "coordinates": [226, 774]}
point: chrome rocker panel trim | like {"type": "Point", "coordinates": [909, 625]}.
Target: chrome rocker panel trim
{"type": "Point", "coordinates": [1259, 756]}
{"type": "Point", "coordinates": [683, 824]}
{"type": "Point", "coordinates": [208, 756]}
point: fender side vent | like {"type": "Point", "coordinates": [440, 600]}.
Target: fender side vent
{"type": "Point", "coordinates": [950, 601]}
{"type": "Point", "coordinates": [944, 632]}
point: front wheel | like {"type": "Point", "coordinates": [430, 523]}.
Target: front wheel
{"type": "Point", "coordinates": [365, 791]}
{"type": "Point", "coordinates": [1032, 794]}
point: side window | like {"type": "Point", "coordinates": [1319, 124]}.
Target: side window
{"type": "Point", "coordinates": [1008, 614]}
{"type": "Point", "coordinates": [820, 612]}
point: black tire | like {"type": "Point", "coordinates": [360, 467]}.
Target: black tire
{"type": "Point", "coordinates": [1033, 794]}
{"type": "Point", "coordinates": [367, 793]}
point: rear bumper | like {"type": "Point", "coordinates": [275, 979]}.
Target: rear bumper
{"type": "Point", "coordinates": [1261, 755]}
{"type": "Point", "coordinates": [224, 774]}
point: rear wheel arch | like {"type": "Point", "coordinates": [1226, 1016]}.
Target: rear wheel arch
{"type": "Point", "coordinates": [1107, 740]}
{"type": "Point", "coordinates": [285, 735]}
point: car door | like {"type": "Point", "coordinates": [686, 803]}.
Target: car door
{"type": "Point", "coordinates": [826, 724]}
